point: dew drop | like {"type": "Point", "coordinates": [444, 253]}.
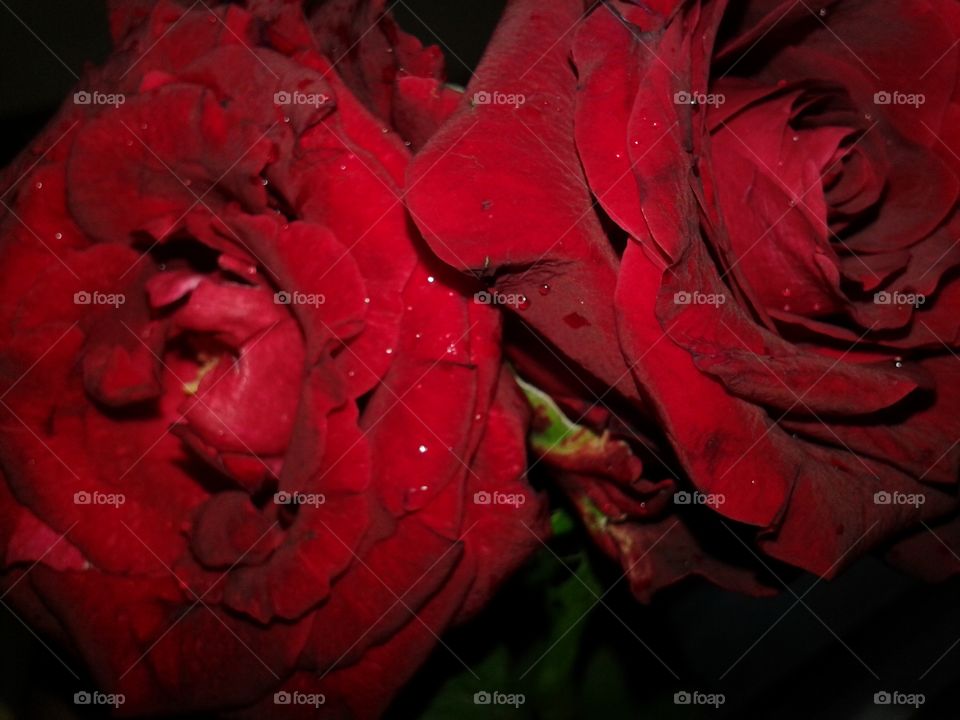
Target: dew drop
{"type": "Point", "coordinates": [431, 279]}
{"type": "Point", "coordinates": [544, 289]}
{"type": "Point", "coordinates": [343, 167]}
{"type": "Point", "coordinates": [787, 292]}
{"type": "Point", "coordinates": [422, 449]}
{"type": "Point", "coordinates": [523, 302]}
{"type": "Point", "coordinates": [796, 138]}
{"type": "Point", "coordinates": [576, 320]}
{"type": "Point", "coordinates": [786, 308]}
{"type": "Point", "coordinates": [366, 301]}
{"type": "Point", "coordinates": [58, 236]}
{"type": "Point", "coordinates": [823, 12]}
{"type": "Point", "coordinates": [389, 351]}
{"type": "Point", "coordinates": [39, 186]}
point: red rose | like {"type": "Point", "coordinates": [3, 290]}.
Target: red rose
{"type": "Point", "coordinates": [244, 415]}
{"type": "Point", "coordinates": [742, 224]}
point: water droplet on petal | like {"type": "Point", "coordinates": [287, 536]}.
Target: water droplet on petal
{"type": "Point", "coordinates": [787, 292]}
{"type": "Point", "coordinates": [58, 236]}
{"type": "Point", "coordinates": [389, 351]}
{"type": "Point", "coordinates": [430, 278]}
{"type": "Point", "coordinates": [422, 449]}
{"type": "Point", "coordinates": [544, 289]}
{"type": "Point", "coordinates": [523, 302]}
{"type": "Point", "coordinates": [39, 186]}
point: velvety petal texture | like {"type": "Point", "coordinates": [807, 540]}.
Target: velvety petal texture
{"type": "Point", "coordinates": [757, 208]}
{"type": "Point", "coordinates": [245, 413]}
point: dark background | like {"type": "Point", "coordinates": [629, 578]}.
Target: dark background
{"type": "Point", "coordinates": [804, 667]}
